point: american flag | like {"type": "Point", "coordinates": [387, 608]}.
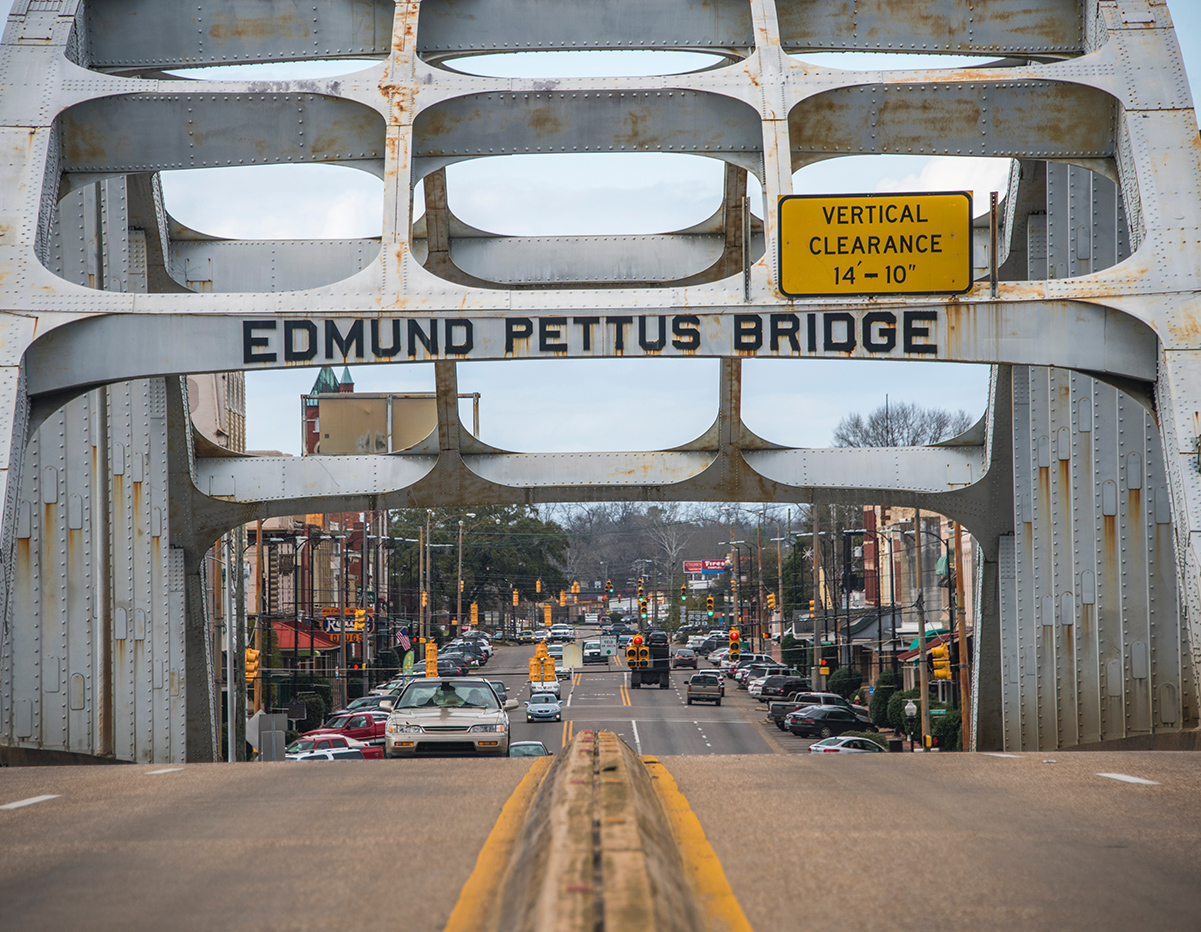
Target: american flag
{"type": "Point", "coordinates": [402, 638]}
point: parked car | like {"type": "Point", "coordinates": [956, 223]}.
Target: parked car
{"type": "Point", "coordinates": [783, 686]}
{"type": "Point", "coordinates": [592, 653]}
{"type": "Point", "coordinates": [823, 721]}
{"type": "Point", "coordinates": [341, 754]}
{"type": "Point", "coordinates": [778, 711]}
{"type": "Point", "coordinates": [390, 688]}
{"type": "Point", "coordinates": [745, 660]}
{"type": "Point", "coordinates": [465, 662]}
{"type": "Point", "coordinates": [450, 716]}
{"type": "Point", "coordinates": [715, 657]}
{"type": "Point", "coordinates": [844, 745]}
{"type": "Point", "coordinates": [367, 727]}
{"type": "Point", "coordinates": [528, 749]}
{"type": "Point", "coordinates": [331, 744]}
{"type": "Point", "coordinates": [684, 658]}
{"type": "Point", "coordinates": [705, 687]}
{"type": "Point", "coordinates": [544, 707]}
{"type": "Point", "coordinates": [368, 703]}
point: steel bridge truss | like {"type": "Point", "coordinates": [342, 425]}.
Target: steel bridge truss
{"type": "Point", "coordinates": [1080, 484]}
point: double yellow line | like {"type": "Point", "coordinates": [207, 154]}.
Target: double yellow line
{"type": "Point", "coordinates": [568, 729]}
{"type": "Point", "coordinates": [624, 691]}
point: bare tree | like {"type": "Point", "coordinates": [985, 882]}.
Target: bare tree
{"type": "Point", "coordinates": [900, 425]}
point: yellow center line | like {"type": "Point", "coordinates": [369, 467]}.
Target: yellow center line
{"type": "Point", "coordinates": [482, 889]}
{"type": "Point", "coordinates": [717, 900]}
{"type": "Point", "coordinates": [570, 730]}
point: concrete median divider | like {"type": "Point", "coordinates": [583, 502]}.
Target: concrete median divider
{"type": "Point", "coordinates": [596, 852]}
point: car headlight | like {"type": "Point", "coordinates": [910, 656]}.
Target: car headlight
{"type": "Point", "coordinates": [399, 728]}
{"type": "Point", "coordinates": [485, 729]}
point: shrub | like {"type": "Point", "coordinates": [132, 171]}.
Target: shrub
{"type": "Point", "coordinates": [794, 653]}
{"type": "Point", "coordinates": [949, 728]}
{"type": "Point", "coordinates": [870, 735]}
{"type": "Point", "coordinates": [387, 664]}
{"type": "Point", "coordinates": [315, 712]}
{"type": "Point", "coordinates": [896, 710]}
{"type": "Point", "coordinates": [887, 684]}
{"type": "Point", "coordinates": [844, 681]}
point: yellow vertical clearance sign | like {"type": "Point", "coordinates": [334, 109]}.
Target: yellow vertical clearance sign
{"type": "Point", "coordinates": [875, 244]}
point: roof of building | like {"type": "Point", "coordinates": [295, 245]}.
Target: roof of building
{"type": "Point", "coordinates": [286, 636]}
{"type": "Point", "coordinates": [346, 379]}
{"type": "Point", "coordinates": [326, 384]}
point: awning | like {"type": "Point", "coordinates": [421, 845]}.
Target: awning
{"type": "Point", "coordinates": [287, 634]}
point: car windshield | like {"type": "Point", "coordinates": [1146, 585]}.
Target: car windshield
{"type": "Point", "coordinates": [555, 650]}
{"type": "Point", "coordinates": [542, 698]}
{"type": "Point", "coordinates": [449, 694]}
{"type": "Point", "coordinates": [828, 742]}
{"type": "Point", "coordinates": [528, 750]}
{"type": "Point", "coordinates": [304, 744]}
{"type": "Point", "coordinates": [338, 721]}
{"type": "Point", "coordinates": [592, 645]}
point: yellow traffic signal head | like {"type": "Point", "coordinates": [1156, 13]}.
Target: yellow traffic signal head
{"type": "Point", "coordinates": [515, 598]}
{"type": "Point", "coordinates": [637, 640]}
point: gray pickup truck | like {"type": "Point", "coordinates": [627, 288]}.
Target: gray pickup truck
{"type": "Point", "coordinates": [705, 687]}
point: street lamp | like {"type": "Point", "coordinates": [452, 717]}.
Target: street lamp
{"type": "Point", "coordinates": [910, 714]}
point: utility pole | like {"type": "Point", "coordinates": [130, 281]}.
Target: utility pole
{"type": "Point", "coordinates": [759, 603]}
{"type": "Point", "coordinates": [364, 638]}
{"type": "Point", "coordinates": [964, 688]}
{"type": "Point", "coordinates": [923, 673]}
{"type": "Point", "coordinates": [817, 596]}
{"type": "Point", "coordinates": [258, 623]}
{"type": "Point", "coordinates": [780, 567]}
{"type": "Point", "coordinates": [459, 597]}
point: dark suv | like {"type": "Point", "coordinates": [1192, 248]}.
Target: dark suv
{"type": "Point", "coordinates": [783, 687]}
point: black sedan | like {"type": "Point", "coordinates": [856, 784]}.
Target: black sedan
{"type": "Point", "coordinates": [823, 721]}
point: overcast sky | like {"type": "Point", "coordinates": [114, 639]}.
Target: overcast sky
{"type": "Point", "coordinates": [601, 404]}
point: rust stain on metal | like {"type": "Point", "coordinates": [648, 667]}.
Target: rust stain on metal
{"type": "Point", "coordinates": [259, 28]}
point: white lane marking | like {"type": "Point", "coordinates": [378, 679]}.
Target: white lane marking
{"type": "Point", "coordinates": [28, 802]}
{"type": "Point", "coordinates": [637, 740]}
{"type": "Point", "coordinates": [151, 773]}
{"type": "Point", "coordinates": [1126, 778]}
{"type": "Point", "coordinates": [570, 696]}
{"type": "Point", "coordinates": [993, 754]}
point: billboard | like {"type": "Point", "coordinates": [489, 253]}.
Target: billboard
{"type": "Point", "coordinates": [708, 567]}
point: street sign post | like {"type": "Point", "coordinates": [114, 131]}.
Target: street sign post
{"type": "Point", "coordinates": [875, 244]}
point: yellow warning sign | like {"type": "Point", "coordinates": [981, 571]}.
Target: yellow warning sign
{"type": "Point", "coordinates": [875, 244]}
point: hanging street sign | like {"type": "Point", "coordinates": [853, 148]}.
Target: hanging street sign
{"type": "Point", "coordinates": [875, 244]}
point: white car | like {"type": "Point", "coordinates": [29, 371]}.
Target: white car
{"type": "Point", "coordinates": [455, 715]}
{"type": "Point", "coordinates": [844, 744]}
{"type": "Point", "coordinates": [755, 687]}
{"type": "Point", "coordinates": [549, 686]}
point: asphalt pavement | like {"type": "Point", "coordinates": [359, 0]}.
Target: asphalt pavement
{"type": "Point", "coordinates": [1061, 841]}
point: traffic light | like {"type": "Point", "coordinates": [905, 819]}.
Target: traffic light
{"type": "Point", "coordinates": [252, 663]}
{"type": "Point", "coordinates": [609, 586]}
{"type": "Point", "coordinates": [360, 619]}
{"type": "Point", "coordinates": [735, 646]}
{"type": "Point", "coordinates": [683, 593]}
{"type": "Point", "coordinates": [514, 598]}
{"type": "Point", "coordinates": [475, 614]}
{"type": "Point", "coordinates": [638, 654]}
{"type": "Point", "coordinates": [812, 606]}
{"type": "Point", "coordinates": [425, 598]}
{"type": "Point", "coordinates": [546, 614]}
{"type": "Point", "coordinates": [709, 606]}
{"type": "Point", "coordinates": [939, 660]}
{"type": "Point", "coordinates": [538, 587]}
{"type": "Point", "coordinates": [642, 613]}
{"type": "Point", "coordinates": [824, 667]}
{"type": "Point", "coordinates": [771, 600]}
{"type": "Point", "coordinates": [460, 585]}
{"type": "Point", "coordinates": [431, 658]}
{"type": "Point", "coordinates": [562, 599]}
{"type": "Point", "coordinates": [575, 587]}
{"type": "Point", "coordinates": [933, 742]}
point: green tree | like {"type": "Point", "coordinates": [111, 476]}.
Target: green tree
{"type": "Point", "coordinates": [503, 548]}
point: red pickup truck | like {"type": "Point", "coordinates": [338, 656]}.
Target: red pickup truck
{"type": "Point", "coordinates": [367, 727]}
